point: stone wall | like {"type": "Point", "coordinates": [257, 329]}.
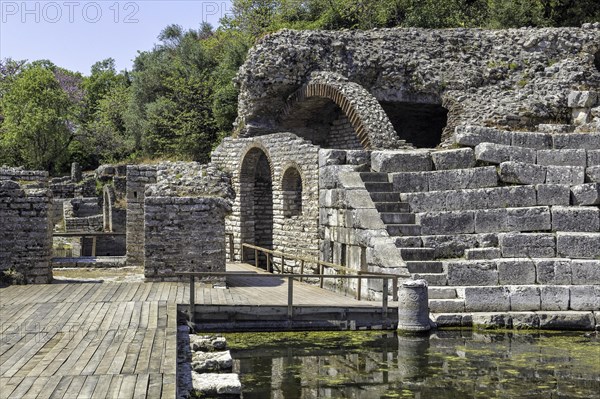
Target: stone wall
{"type": "Point", "coordinates": [138, 176]}
{"type": "Point", "coordinates": [257, 163]}
{"type": "Point", "coordinates": [26, 235]}
{"type": "Point", "coordinates": [183, 234]}
{"type": "Point", "coordinates": [515, 78]}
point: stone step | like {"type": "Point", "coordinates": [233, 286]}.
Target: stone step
{"type": "Point", "coordinates": [403, 229]}
{"type": "Point", "coordinates": [388, 207]}
{"type": "Point", "coordinates": [379, 187]}
{"type": "Point", "coordinates": [417, 254]}
{"type": "Point", "coordinates": [442, 293]}
{"type": "Point", "coordinates": [385, 197]}
{"type": "Point", "coordinates": [409, 242]}
{"type": "Point", "coordinates": [424, 266]}
{"type": "Point", "coordinates": [482, 253]}
{"type": "Point", "coordinates": [543, 320]}
{"type": "Point", "coordinates": [446, 305]}
{"type": "Point", "coordinates": [397, 217]}
{"type": "Point", "coordinates": [374, 177]}
{"type": "Point", "coordinates": [433, 279]}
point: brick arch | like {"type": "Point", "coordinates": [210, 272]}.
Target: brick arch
{"type": "Point", "coordinates": [292, 187]}
{"type": "Point", "coordinates": [370, 122]}
{"type": "Point", "coordinates": [250, 150]}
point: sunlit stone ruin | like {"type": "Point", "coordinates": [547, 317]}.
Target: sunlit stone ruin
{"type": "Point", "coordinates": [466, 158]}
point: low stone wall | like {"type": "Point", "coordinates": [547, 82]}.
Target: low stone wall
{"type": "Point", "coordinates": [26, 235]}
{"type": "Point", "coordinates": [138, 176]}
{"type": "Point", "coordinates": [183, 234]}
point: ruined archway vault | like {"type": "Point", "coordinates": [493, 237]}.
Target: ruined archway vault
{"type": "Point", "coordinates": [370, 122]}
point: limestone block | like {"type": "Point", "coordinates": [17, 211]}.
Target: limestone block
{"type": "Point", "coordinates": [566, 320]}
{"type": "Point", "coordinates": [578, 245]}
{"type": "Point", "coordinates": [522, 173]}
{"type": "Point", "coordinates": [498, 153]}
{"type": "Point", "coordinates": [585, 297]}
{"type": "Point", "coordinates": [491, 220]}
{"type": "Point", "coordinates": [365, 219]}
{"type": "Point", "coordinates": [351, 180]}
{"type": "Point", "coordinates": [565, 175]}
{"type": "Point", "coordinates": [566, 157]}
{"type": "Point", "coordinates": [516, 271]}
{"type": "Point", "coordinates": [553, 194]}
{"type": "Point", "coordinates": [329, 175]}
{"type": "Point", "coordinates": [582, 141]}
{"type": "Point", "coordinates": [446, 305]}
{"type": "Point", "coordinates": [513, 197]}
{"type": "Point", "coordinates": [581, 116]}
{"type": "Point", "coordinates": [456, 222]}
{"type": "Point", "coordinates": [482, 253]}
{"type": "Point", "coordinates": [463, 179]}
{"type": "Point", "coordinates": [471, 273]}
{"type": "Point", "coordinates": [553, 271]}
{"type": "Point", "coordinates": [593, 158]}
{"type": "Point", "coordinates": [487, 299]}
{"type": "Point", "coordinates": [409, 182]}
{"type": "Point", "coordinates": [216, 383]}
{"type": "Point", "coordinates": [586, 194]}
{"type": "Point", "coordinates": [539, 141]}
{"type": "Point", "coordinates": [572, 218]}
{"type": "Point", "coordinates": [524, 320]}
{"type": "Point", "coordinates": [356, 199]}
{"type": "Point", "coordinates": [358, 157]}
{"type": "Point", "coordinates": [585, 271]}
{"type": "Point", "coordinates": [516, 245]}
{"type": "Point", "coordinates": [528, 219]}
{"type": "Point", "coordinates": [211, 361]}
{"type": "Point", "coordinates": [554, 297]}
{"type": "Point", "coordinates": [462, 158]}
{"type": "Point", "coordinates": [401, 161]}
{"type": "Point", "coordinates": [491, 320]}
{"type": "Point", "coordinates": [471, 136]}
{"type": "Point", "coordinates": [524, 297]}
{"type": "Point", "coordinates": [592, 174]}
{"type": "Point", "coordinates": [582, 99]}
{"type": "Point", "coordinates": [449, 246]}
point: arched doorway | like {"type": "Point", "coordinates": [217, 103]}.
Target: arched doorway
{"type": "Point", "coordinates": [256, 202]}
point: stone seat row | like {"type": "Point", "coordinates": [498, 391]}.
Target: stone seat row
{"type": "Point", "coordinates": [522, 219]}
{"type": "Point", "coordinates": [471, 136]}
{"type": "Point", "coordinates": [497, 153]}
{"type": "Point", "coordinates": [520, 298]}
{"type": "Point", "coordinates": [502, 197]}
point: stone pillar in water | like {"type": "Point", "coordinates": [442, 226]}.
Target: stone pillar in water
{"type": "Point", "coordinates": [75, 172]}
{"type": "Point", "coordinates": [413, 306]}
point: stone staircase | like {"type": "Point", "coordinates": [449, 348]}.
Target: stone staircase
{"type": "Point", "coordinates": [399, 222]}
{"type": "Point", "coordinates": [508, 222]}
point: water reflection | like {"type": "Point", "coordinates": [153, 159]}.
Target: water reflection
{"type": "Point", "coordinates": [455, 364]}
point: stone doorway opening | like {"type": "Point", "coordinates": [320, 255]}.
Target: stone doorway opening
{"type": "Point", "coordinates": [418, 123]}
{"type": "Point", "coordinates": [256, 195]}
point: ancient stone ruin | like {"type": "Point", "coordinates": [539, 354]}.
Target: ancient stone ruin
{"type": "Point", "coordinates": [466, 157]}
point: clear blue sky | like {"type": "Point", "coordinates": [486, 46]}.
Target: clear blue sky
{"type": "Point", "coordinates": [74, 34]}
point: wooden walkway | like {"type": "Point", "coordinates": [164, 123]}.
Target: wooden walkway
{"type": "Point", "coordinates": [114, 340]}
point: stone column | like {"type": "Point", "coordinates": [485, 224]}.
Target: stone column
{"type": "Point", "coordinates": [75, 172]}
{"type": "Point", "coordinates": [413, 306]}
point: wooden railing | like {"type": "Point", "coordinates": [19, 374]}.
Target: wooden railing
{"type": "Point", "coordinates": [270, 254]}
{"type": "Point", "coordinates": [290, 277]}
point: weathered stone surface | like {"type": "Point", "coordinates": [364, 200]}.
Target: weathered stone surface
{"type": "Point", "coordinates": [539, 141]}
{"type": "Point", "coordinates": [471, 273]}
{"type": "Point", "coordinates": [524, 297]}
{"type": "Point", "coordinates": [515, 245]}
{"type": "Point", "coordinates": [553, 194]}
{"type": "Point", "coordinates": [203, 362]}
{"type": "Point", "coordinates": [584, 141]}
{"type": "Point", "coordinates": [566, 157]}
{"type": "Point", "coordinates": [585, 297]}
{"type": "Point", "coordinates": [553, 271]}
{"type": "Point", "coordinates": [554, 297]}
{"type": "Point", "coordinates": [487, 299]}
{"type": "Point", "coordinates": [566, 320]}
{"type": "Point", "coordinates": [571, 218]}
{"type": "Point", "coordinates": [217, 383]}
{"type": "Point", "coordinates": [409, 182]}
{"type": "Point", "coordinates": [565, 175]}
{"type": "Point", "coordinates": [593, 158]}
{"type": "Point", "coordinates": [524, 320]}
{"type": "Point", "coordinates": [446, 305]}
{"type": "Point", "coordinates": [474, 135]}
{"type": "Point", "coordinates": [491, 220]}
{"type": "Point", "coordinates": [522, 173]}
{"type": "Point", "coordinates": [582, 99]}
{"type": "Point", "coordinates": [592, 174]}
{"type": "Point", "coordinates": [207, 343]}
{"type": "Point", "coordinates": [461, 158]}
{"type": "Point", "coordinates": [463, 179]}
{"type": "Point", "coordinates": [586, 194]}
{"type": "Point", "coordinates": [435, 223]}
{"type": "Point", "coordinates": [498, 153]}
{"type": "Point", "coordinates": [528, 219]}
{"type": "Point", "coordinates": [585, 271]}
{"type": "Point", "coordinates": [482, 253]}
{"type": "Point", "coordinates": [490, 320]}
{"type": "Point", "coordinates": [515, 271]}
{"type": "Point", "coordinates": [401, 161]}
{"type": "Point", "coordinates": [453, 246]}
{"type": "Point", "coordinates": [578, 245]}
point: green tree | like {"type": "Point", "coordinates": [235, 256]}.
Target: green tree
{"type": "Point", "coordinates": [38, 120]}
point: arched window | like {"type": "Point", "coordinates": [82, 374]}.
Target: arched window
{"type": "Point", "coordinates": [292, 192]}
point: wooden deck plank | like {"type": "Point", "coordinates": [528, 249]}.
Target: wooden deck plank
{"type": "Point", "coordinates": [22, 388]}
{"type": "Point", "coordinates": [48, 387]}
{"type": "Point", "coordinates": [102, 386]}
{"type": "Point", "coordinates": [143, 359]}
{"type": "Point", "coordinates": [61, 388]}
{"type": "Point", "coordinates": [75, 387]}
{"type": "Point", "coordinates": [141, 386]}
{"type": "Point", "coordinates": [87, 390]}
{"type": "Point", "coordinates": [127, 386]}
{"type": "Point", "coordinates": [155, 386]}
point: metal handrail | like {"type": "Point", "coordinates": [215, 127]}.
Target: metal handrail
{"type": "Point", "coordinates": [290, 278]}
{"type": "Point", "coordinates": [321, 264]}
